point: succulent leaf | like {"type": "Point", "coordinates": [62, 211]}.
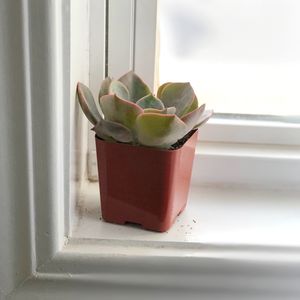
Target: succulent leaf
{"type": "Point", "coordinates": [136, 86]}
{"type": "Point", "coordinates": [118, 88]}
{"type": "Point", "coordinates": [132, 114]}
{"type": "Point", "coordinates": [180, 95]}
{"type": "Point", "coordinates": [119, 110]}
{"type": "Point", "coordinates": [87, 103]}
{"type": "Point", "coordinates": [204, 118]}
{"type": "Point", "coordinates": [168, 110]}
{"type": "Point", "coordinates": [150, 101]}
{"type": "Point", "coordinates": [160, 89]}
{"type": "Point", "coordinates": [192, 118]}
{"type": "Point", "coordinates": [154, 110]}
{"type": "Point", "coordinates": [193, 106]}
{"type": "Point", "coordinates": [104, 89]}
{"type": "Point", "coordinates": [118, 132]}
{"type": "Point", "coordinates": [159, 130]}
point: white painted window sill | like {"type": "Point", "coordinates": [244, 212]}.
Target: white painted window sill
{"type": "Point", "coordinates": [215, 216]}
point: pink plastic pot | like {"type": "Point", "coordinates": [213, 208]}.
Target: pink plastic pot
{"type": "Point", "coordinates": [144, 185]}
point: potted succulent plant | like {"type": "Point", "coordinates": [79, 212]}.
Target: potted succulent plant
{"type": "Point", "coordinates": [145, 148]}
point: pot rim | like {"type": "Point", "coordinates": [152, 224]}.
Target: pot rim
{"type": "Point", "coordinates": [194, 131]}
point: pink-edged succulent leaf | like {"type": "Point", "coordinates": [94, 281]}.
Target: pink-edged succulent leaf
{"type": "Point", "coordinates": [120, 110]}
{"type": "Point", "coordinates": [160, 89]}
{"type": "Point", "coordinates": [153, 110]}
{"type": "Point", "coordinates": [150, 101]}
{"type": "Point", "coordinates": [192, 118]}
{"type": "Point", "coordinates": [158, 130]}
{"type": "Point", "coordinates": [108, 129]}
{"type": "Point", "coordinates": [180, 95]}
{"type": "Point", "coordinates": [118, 88]}
{"type": "Point", "coordinates": [136, 86]}
{"type": "Point", "coordinates": [204, 118]}
{"type": "Point", "coordinates": [168, 110]}
{"type": "Point", "coordinates": [87, 103]}
{"type": "Point", "coordinates": [104, 89]}
{"type": "Point", "coordinates": [193, 106]}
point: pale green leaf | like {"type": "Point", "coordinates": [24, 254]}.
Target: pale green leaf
{"type": "Point", "coordinates": [204, 118]}
{"type": "Point", "coordinates": [120, 110]}
{"type": "Point", "coordinates": [114, 130]}
{"type": "Point", "coordinates": [118, 88]}
{"type": "Point", "coordinates": [158, 130]}
{"type": "Point", "coordinates": [192, 107]}
{"type": "Point", "coordinates": [150, 101]}
{"type": "Point", "coordinates": [181, 95]}
{"type": "Point", "coordinates": [161, 88]}
{"type": "Point", "coordinates": [136, 86]}
{"type": "Point", "coordinates": [193, 118]}
{"type": "Point", "coordinates": [104, 89]}
{"type": "Point", "coordinates": [87, 103]}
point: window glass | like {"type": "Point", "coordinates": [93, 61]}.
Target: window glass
{"type": "Point", "coordinates": [241, 56]}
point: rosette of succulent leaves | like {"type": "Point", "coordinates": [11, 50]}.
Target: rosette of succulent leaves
{"type": "Point", "coordinates": [130, 113]}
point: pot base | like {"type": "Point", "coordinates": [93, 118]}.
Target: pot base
{"type": "Point", "coordinates": [150, 224]}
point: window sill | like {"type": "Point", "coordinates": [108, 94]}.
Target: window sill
{"type": "Point", "coordinates": [231, 242]}
{"type": "Point", "coordinates": [216, 216]}
{"type": "Point", "coordinates": [244, 245]}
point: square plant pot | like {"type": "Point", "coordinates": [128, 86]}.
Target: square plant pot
{"type": "Point", "coordinates": [143, 185]}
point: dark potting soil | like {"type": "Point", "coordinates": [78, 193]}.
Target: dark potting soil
{"type": "Point", "coordinates": [182, 141]}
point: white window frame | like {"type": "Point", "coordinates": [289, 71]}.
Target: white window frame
{"type": "Point", "coordinates": [38, 259]}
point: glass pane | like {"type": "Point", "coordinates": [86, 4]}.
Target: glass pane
{"type": "Point", "coordinates": [241, 56]}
